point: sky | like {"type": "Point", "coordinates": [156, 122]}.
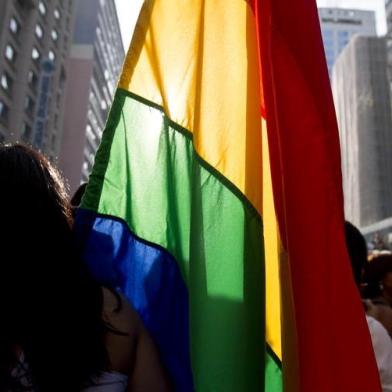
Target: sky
{"type": "Point", "coordinates": [128, 11]}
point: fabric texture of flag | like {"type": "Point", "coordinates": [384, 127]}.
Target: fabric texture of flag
{"type": "Point", "coordinates": [215, 200]}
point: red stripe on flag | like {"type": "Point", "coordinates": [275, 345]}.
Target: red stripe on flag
{"type": "Point", "coordinates": [334, 347]}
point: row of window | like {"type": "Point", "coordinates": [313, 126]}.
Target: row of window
{"type": "Point", "coordinates": [4, 114]}
{"type": "Point", "coordinates": [36, 54]}
{"type": "Point", "coordinates": [6, 81]}
{"type": "Point", "coordinates": [10, 54]}
{"type": "Point", "coordinates": [6, 84]}
{"type": "Point", "coordinates": [42, 10]}
{"type": "Point", "coordinates": [329, 34]}
{"type": "Point", "coordinates": [14, 27]}
{"type": "Point", "coordinates": [39, 33]}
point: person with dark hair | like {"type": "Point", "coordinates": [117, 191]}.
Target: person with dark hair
{"type": "Point", "coordinates": [378, 290]}
{"type": "Point", "coordinates": [60, 331]}
{"type": "Point", "coordinates": [378, 275]}
{"type": "Point", "coordinates": [382, 344]}
{"type": "Point", "coordinates": [77, 198]}
{"type": "Point", "coordinates": [357, 250]}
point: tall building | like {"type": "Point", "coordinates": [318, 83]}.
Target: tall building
{"type": "Point", "coordinates": [94, 66]}
{"type": "Point", "coordinates": [388, 12]}
{"type": "Point", "coordinates": [362, 101]}
{"type": "Point", "coordinates": [339, 25]}
{"type": "Point", "coordinates": [34, 46]}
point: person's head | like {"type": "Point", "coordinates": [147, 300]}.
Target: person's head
{"type": "Point", "coordinates": [379, 277]}
{"type": "Point", "coordinates": [357, 250]}
{"type": "Point", "coordinates": [77, 197]}
{"type": "Point", "coordinates": [51, 308]}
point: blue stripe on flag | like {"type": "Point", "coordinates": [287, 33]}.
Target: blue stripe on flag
{"type": "Point", "coordinates": [149, 278]}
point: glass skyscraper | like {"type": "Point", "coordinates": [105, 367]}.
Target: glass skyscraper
{"type": "Point", "coordinates": [339, 25]}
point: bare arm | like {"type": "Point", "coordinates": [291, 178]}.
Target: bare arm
{"type": "Point", "coordinates": [133, 353]}
{"type": "Point", "coordinates": [148, 374]}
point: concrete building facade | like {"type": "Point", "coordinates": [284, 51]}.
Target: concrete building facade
{"type": "Point", "coordinates": [388, 12]}
{"type": "Point", "coordinates": [362, 102]}
{"type": "Point", "coordinates": [34, 45]}
{"type": "Point", "coordinates": [94, 66]}
{"type": "Point", "coordinates": [339, 25]}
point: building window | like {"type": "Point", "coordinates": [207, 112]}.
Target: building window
{"type": "Point", "coordinates": [32, 79]}
{"type": "Point", "coordinates": [90, 133]}
{"type": "Point", "coordinates": [51, 56]}
{"type": "Point", "coordinates": [6, 82]}
{"type": "Point", "coordinates": [329, 53]}
{"type": "Point", "coordinates": [327, 34]}
{"type": "Point", "coordinates": [42, 8]}
{"type": "Point", "coordinates": [26, 132]}
{"type": "Point", "coordinates": [3, 112]}
{"type": "Point", "coordinates": [14, 26]}
{"type": "Point", "coordinates": [55, 35]}
{"type": "Point", "coordinates": [10, 54]}
{"type": "Point", "coordinates": [35, 54]}
{"type": "Point", "coordinates": [53, 140]}
{"type": "Point", "coordinates": [56, 14]}
{"type": "Point", "coordinates": [29, 105]}
{"type": "Point", "coordinates": [39, 32]}
{"type": "Point", "coordinates": [343, 34]}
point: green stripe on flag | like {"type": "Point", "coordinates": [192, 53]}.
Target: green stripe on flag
{"type": "Point", "coordinates": [273, 373]}
{"type": "Point", "coordinates": [148, 174]}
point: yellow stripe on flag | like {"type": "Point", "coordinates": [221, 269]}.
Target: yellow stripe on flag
{"type": "Point", "coordinates": [272, 251]}
{"type": "Point", "coordinates": [199, 61]}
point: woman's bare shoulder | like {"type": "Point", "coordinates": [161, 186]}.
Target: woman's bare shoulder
{"type": "Point", "coordinates": [123, 331]}
{"type": "Point", "coordinates": [134, 353]}
{"type": "Point", "coordinates": [118, 313]}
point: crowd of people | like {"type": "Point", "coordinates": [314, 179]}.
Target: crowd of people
{"type": "Point", "coordinates": [373, 276]}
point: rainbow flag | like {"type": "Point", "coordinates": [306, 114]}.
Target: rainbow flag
{"type": "Point", "coordinates": [215, 202]}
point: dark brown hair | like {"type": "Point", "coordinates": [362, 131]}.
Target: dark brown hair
{"type": "Point", "coordinates": [357, 250]}
{"type": "Point", "coordinates": [51, 307]}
